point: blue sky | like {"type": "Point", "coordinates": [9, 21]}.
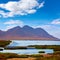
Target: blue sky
{"type": "Point", "coordinates": [35, 13]}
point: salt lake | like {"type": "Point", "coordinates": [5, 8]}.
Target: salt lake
{"type": "Point", "coordinates": [30, 42]}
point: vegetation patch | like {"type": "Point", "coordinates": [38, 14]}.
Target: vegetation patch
{"type": "Point", "coordinates": [4, 43]}
{"type": "Point", "coordinates": [54, 47]}
{"type": "Point", "coordinates": [41, 52]}
{"type": "Point", "coordinates": [16, 47]}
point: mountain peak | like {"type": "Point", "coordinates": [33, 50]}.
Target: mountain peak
{"type": "Point", "coordinates": [26, 32]}
{"type": "Point", "coordinates": [26, 26]}
{"type": "Point", "coordinates": [13, 29]}
{"type": "Point", "coordinates": [17, 27]}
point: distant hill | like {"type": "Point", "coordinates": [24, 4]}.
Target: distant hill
{"type": "Point", "coordinates": [26, 33]}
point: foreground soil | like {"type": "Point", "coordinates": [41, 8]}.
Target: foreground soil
{"type": "Point", "coordinates": [21, 59]}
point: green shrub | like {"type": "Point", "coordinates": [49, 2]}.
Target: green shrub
{"type": "Point", "coordinates": [41, 52]}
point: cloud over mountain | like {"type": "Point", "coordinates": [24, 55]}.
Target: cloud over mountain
{"type": "Point", "coordinates": [12, 23]}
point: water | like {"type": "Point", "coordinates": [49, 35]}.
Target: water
{"type": "Point", "coordinates": [30, 42]}
{"type": "Point", "coordinates": [28, 51]}
{"type": "Point", "coordinates": [33, 42]}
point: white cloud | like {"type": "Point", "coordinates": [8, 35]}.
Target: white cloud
{"type": "Point", "coordinates": [42, 4]}
{"type": "Point", "coordinates": [9, 27]}
{"type": "Point", "coordinates": [43, 26]}
{"type": "Point", "coordinates": [2, 13]}
{"type": "Point", "coordinates": [22, 7]}
{"type": "Point", "coordinates": [13, 23]}
{"type": "Point", "coordinates": [56, 21]}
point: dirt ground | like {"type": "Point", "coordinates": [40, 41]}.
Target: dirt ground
{"type": "Point", "coordinates": [21, 59]}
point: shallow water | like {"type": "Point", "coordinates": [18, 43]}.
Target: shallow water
{"type": "Point", "coordinates": [33, 42]}
{"type": "Point", "coordinates": [28, 51]}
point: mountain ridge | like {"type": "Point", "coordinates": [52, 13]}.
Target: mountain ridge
{"type": "Point", "coordinates": [26, 33]}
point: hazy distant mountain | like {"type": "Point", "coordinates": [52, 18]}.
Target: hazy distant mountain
{"type": "Point", "coordinates": [26, 32]}
{"type": "Point", "coordinates": [2, 34]}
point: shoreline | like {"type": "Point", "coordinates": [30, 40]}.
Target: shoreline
{"type": "Point", "coordinates": [33, 40]}
{"type": "Point", "coordinates": [36, 40]}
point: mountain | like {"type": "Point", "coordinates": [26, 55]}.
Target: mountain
{"type": "Point", "coordinates": [26, 33]}
{"type": "Point", "coordinates": [2, 34]}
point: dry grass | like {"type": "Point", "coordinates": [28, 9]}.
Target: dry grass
{"type": "Point", "coordinates": [21, 59]}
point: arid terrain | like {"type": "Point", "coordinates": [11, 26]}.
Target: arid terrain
{"type": "Point", "coordinates": [21, 59]}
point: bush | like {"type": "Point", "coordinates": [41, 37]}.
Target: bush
{"type": "Point", "coordinates": [41, 52]}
